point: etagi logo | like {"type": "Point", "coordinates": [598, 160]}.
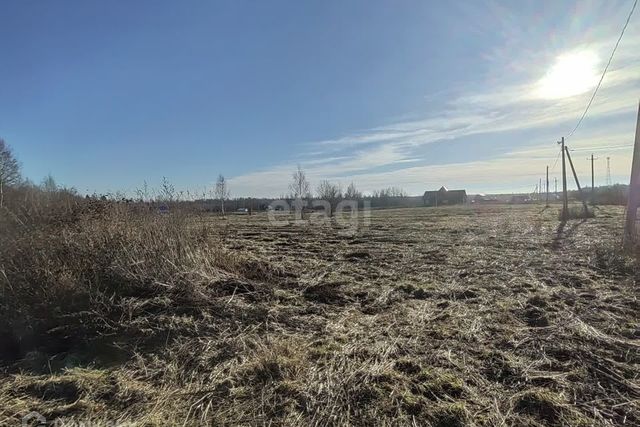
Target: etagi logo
{"type": "Point", "coordinates": [34, 419]}
{"type": "Point", "coordinates": [345, 214]}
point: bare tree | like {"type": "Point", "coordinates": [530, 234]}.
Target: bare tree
{"type": "Point", "coordinates": [9, 169]}
{"type": "Point", "coordinates": [396, 192]}
{"type": "Point", "coordinates": [299, 189]}
{"type": "Point", "coordinates": [389, 196]}
{"type": "Point", "coordinates": [331, 193]}
{"type": "Point", "coordinates": [222, 192]}
{"type": "Point", "coordinates": [352, 193]}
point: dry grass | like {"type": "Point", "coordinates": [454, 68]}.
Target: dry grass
{"type": "Point", "coordinates": [444, 317]}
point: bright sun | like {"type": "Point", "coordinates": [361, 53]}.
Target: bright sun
{"type": "Point", "coordinates": [572, 74]}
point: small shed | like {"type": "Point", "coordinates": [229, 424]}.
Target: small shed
{"type": "Point", "coordinates": [444, 196]}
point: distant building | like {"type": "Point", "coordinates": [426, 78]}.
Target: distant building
{"type": "Point", "coordinates": [484, 199]}
{"type": "Point", "coordinates": [444, 197]}
{"type": "Point", "coordinates": [520, 198]}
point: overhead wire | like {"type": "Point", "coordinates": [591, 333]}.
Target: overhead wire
{"type": "Point", "coordinates": [603, 148]}
{"type": "Point", "coordinates": [606, 68]}
{"type": "Point", "coordinates": [556, 162]}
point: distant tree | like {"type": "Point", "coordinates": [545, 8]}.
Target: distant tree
{"type": "Point", "coordinates": [331, 193]}
{"type": "Point", "coordinates": [380, 197]}
{"type": "Point", "coordinates": [386, 196]}
{"type": "Point", "coordinates": [222, 192]}
{"type": "Point", "coordinates": [352, 193]}
{"type": "Point", "coordinates": [299, 189]}
{"type": "Point", "coordinates": [397, 192]}
{"type": "Point", "coordinates": [49, 184]}
{"type": "Point", "coordinates": [9, 169]}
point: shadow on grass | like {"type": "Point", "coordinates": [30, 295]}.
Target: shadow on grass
{"type": "Point", "coordinates": [562, 234]}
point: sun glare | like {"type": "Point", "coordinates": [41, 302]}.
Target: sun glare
{"type": "Point", "coordinates": [572, 74]}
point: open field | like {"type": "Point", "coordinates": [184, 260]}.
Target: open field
{"type": "Point", "coordinates": [488, 315]}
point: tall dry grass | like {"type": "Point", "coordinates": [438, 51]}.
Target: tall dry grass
{"type": "Point", "coordinates": [68, 284]}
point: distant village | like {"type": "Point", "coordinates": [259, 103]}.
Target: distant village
{"type": "Point", "coordinates": [605, 195]}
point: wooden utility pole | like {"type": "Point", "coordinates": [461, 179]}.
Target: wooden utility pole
{"type": "Point", "coordinates": [593, 194]}
{"type": "Point", "coordinates": [575, 176]}
{"type": "Point", "coordinates": [565, 197]}
{"type": "Point", "coordinates": [634, 192]}
{"type": "Point", "coordinates": [547, 187]}
{"type": "Point", "coordinates": [540, 189]}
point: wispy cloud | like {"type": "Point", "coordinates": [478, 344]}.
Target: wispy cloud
{"type": "Point", "coordinates": [516, 170]}
{"type": "Point", "coordinates": [391, 154]}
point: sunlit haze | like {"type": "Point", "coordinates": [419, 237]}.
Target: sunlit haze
{"type": "Point", "coordinates": [572, 74]}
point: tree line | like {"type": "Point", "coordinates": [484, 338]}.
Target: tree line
{"type": "Point", "coordinates": [332, 192]}
{"type": "Point", "coordinates": [300, 190]}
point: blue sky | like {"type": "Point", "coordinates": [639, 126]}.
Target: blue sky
{"type": "Point", "coordinates": [416, 94]}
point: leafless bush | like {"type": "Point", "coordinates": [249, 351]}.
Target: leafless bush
{"type": "Point", "coordinates": [331, 193]}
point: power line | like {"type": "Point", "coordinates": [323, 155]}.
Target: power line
{"type": "Point", "coordinates": [605, 69]}
{"type": "Point", "coordinates": [603, 148]}
{"type": "Point", "coordinates": [556, 162]}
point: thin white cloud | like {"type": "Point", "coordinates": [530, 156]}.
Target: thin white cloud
{"type": "Point", "coordinates": [522, 167]}
{"type": "Point", "coordinates": [390, 154]}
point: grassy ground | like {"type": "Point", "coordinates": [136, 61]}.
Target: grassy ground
{"type": "Point", "coordinates": [490, 315]}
